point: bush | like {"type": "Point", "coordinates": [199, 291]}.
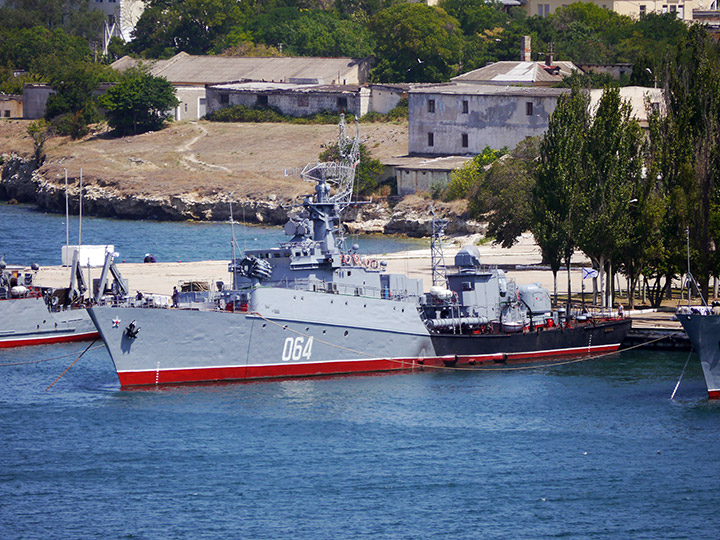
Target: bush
{"type": "Point", "coordinates": [241, 113]}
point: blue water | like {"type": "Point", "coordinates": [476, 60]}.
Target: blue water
{"type": "Point", "coordinates": [584, 451]}
{"type": "Point", "coordinates": [28, 235]}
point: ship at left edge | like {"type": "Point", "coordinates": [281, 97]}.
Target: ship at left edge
{"type": "Point", "coordinates": [31, 314]}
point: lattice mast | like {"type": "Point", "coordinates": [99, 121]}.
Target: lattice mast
{"type": "Point", "coordinates": [436, 249]}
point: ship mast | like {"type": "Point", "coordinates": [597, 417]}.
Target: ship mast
{"type": "Point", "coordinates": [436, 249]}
{"type": "Point", "coordinates": [326, 207]}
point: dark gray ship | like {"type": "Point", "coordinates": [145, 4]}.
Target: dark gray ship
{"type": "Point", "coordinates": [702, 324]}
{"type": "Point", "coordinates": [311, 306]}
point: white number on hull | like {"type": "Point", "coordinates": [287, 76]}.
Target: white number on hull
{"type": "Point", "coordinates": [297, 348]}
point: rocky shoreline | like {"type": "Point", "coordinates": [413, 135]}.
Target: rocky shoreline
{"type": "Point", "coordinates": [23, 182]}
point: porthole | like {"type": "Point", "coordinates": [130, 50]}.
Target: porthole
{"type": "Point", "coordinates": [346, 333]}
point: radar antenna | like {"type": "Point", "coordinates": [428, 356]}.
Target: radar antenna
{"type": "Point", "coordinates": [340, 174]}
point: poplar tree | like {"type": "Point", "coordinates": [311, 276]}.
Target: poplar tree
{"type": "Point", "coordinates": [556, 178]}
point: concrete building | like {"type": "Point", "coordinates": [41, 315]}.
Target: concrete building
{"type": "Point", "coordinates": [290, 99]}
{"type": "Point", "coordinates": [190, 74]}
{"type": "Point", "coordinates": [462, 119]}
{"type": "Point", "coordinates": [385, 97]}
{"type": "Point", "coordinates": [414, 174]}
{"type": "Point", "coordinates": [35, 96]}
{"type": "Point", "coordinates": [11, 106]}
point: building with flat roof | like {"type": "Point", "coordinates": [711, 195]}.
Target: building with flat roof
{"type": "Point", "coordinates": [462, 119]}
{"type": "Point", "coordinates": [190, 74]}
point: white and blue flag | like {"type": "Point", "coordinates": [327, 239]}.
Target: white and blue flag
{"type": "Point", "coordinates": [589, 273]}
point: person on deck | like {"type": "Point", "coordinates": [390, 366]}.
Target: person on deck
{"type": "Point", "coordinates": [175, 297]}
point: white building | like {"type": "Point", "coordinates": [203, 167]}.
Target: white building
{"type": "Point", "coordinates": [462, 119]}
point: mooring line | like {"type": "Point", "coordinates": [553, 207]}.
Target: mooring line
{"type": "Point", "coordinates": [407, 364]}
{"type": "Point", "coordinates": [681, 375]}
{"type": "Point", "coordinates": [45, 359]}
{"type": "Point", "coordinates": [71, 365]}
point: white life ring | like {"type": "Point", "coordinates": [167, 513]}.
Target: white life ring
{"type": "Point", "coordinates": [346, 259]}
{"type": "Point", "coordinates": [356, 259]}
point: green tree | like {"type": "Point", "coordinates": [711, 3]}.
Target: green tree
{"type": "Point", "coordinates": [463, 180]}
{"type": "Point", "coordinates": [611, 171]}
{"type": "Point", "coordinates": [140, 102]}
{"type": "Point", "coordinates": [685, 150]}
{"type": "Point", "coordinates": [556, 179]}
{"type": "Point", "coordinates": [312, 33]}
{"type": "Point", "coordinates": [415, 42]}
{"type": "Point", "coordinates": [504, 194]}
{"type": "Point", "coordinates": [193, 26]}
{"type": "Point", "coordinates": [39, 131]}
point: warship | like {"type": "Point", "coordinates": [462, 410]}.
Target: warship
{"type": "Point", "coordinates": [702, 325]}
{"type": "Point", "coordinates": [36, 315]}
{"type": "Point", "coordinates": [312, 306]}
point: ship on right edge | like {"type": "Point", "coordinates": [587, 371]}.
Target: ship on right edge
{"type": "Point", "coordinates": [702, 324]}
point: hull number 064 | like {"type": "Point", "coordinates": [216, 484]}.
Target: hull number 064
{"type": "Point", "coordinates": [297, 348]}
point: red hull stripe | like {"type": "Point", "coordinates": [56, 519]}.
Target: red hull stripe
{"type": "Point", "coordinates": [45, 340]}
{"type": "Point", "coordinates": [714, 394]}
{"type": "Point", "coordinates": [225, 373]}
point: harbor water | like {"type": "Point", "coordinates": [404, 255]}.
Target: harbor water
{"type": "Point", "coordinates": [589, 450]}
{"type": "Point", "coordinates": [586, 450]}
{"type": "Point", "coordinates": [29, 235]}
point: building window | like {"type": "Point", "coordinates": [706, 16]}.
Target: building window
{"type": "Point", "coordinates": [431, 106]}
{"type": "Point", "coordinates": [224, 99]}
{"type": "Point", "coordinates": [111, 19]}
{"type": "Point", "coordinates": [186, 107]}
{"type": "Point", "coordinates": [342, 103]}
{"type": "Point", "coordinates": [6, 114]}
{"type": "Point", "coordinates": [465, 107]}
{"type": "Point", "coordinates": [303, 101]}
{"type": "Point", "coordinates": [431, 139]}
{"type": "Point", "coordinates": [547, 9]}
{"type": "Point", "coordinates": [643, 10]}
{"type": "Point", "coordinates": [261, 101]}
{"type": "Point", "coordinates": [529, 108]}
{"type": "Point", "coordinates": [464, 140]}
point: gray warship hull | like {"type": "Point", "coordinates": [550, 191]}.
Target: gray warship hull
{"type": "Point", "coordinates": [288, 333]}
{"type": "Point", "coordinates": [28, 321]}
{"type": "Point", "coordinates": [703, 329]}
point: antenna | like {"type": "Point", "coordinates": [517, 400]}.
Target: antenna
{"type": "Point", "coordinates": [80, 225]}
{"type": "Point", "coordinates": [67, 213]}
{"type": "Point", "coordinates": [232, 228]}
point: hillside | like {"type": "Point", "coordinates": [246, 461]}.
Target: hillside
{"type": "Point", "coordinates": [198, 158]}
